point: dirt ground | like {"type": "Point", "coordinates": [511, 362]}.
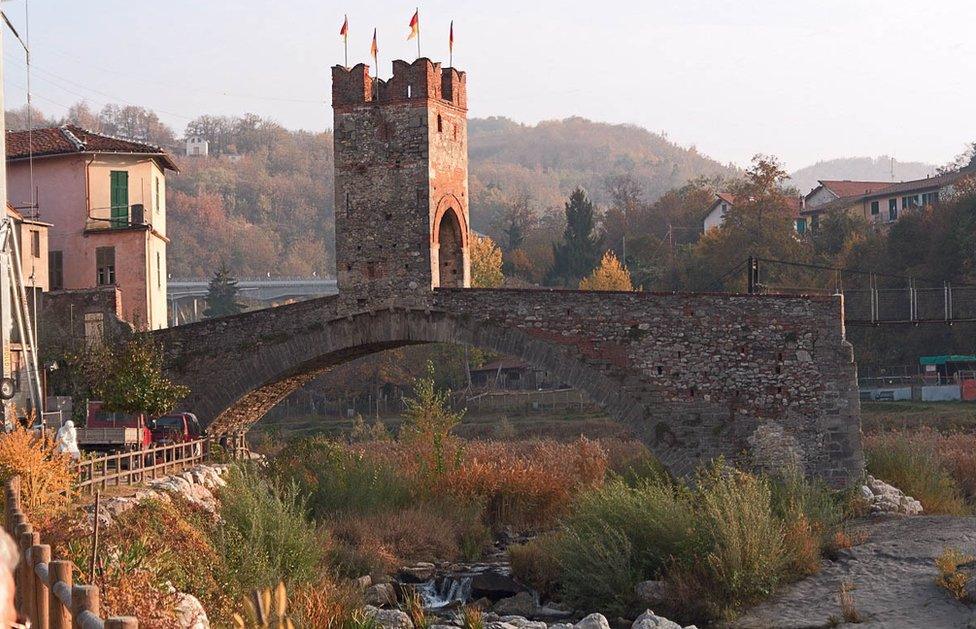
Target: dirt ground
{"type": "Point", "coordinates": [892, 576]}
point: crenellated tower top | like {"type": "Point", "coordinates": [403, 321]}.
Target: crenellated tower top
{"type": "Point", "coordinates": [420, 80]}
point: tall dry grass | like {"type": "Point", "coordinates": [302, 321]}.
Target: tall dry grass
{"type": "Point", "coordinates": [931, 467]}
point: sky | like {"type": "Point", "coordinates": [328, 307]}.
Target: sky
{"type": "Point", "coordinates": [801, 79]}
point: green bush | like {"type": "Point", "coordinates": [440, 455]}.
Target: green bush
{"type": "Point", "coordinates": [725, 542]}
{"type": "Point", "coordinates": [914, 466]}
{"type": "Point", "coordinates": [265, 537]}
{"type": "Point", "coordinates": [339, 481]}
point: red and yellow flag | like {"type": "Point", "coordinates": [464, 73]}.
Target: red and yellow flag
{"type": "Point", "coordinates": [414, 25]}
{"type": "Point", "coordinates": [373, 49]}
{"type": "Point", "coordinates": [344, 31]}
{"type": "Point", "coordinates": [450, 41]}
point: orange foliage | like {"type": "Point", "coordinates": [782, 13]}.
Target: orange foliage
{"type": "Point", "coordinates": [46, 475]}
{"type": "Point", "coordinates": [527, 484]}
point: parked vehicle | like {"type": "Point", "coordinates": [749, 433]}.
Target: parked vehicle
{"type": "Point", "coordinates": [113, 432]}
{"type": "Point", "coordinates": [175, 428]}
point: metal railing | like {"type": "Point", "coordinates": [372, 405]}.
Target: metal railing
{"type": "Point", "coordinates": [45, 594]}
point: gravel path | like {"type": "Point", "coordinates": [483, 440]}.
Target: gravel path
{"type": "Point", "coordinates": [893, 575]}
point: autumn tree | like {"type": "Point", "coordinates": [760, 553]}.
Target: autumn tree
{"type": "Point", "coordinates": [517, 221]}
{"type": "Point", "coordinates": [579, 251]}
{"type": "Point", "coordinates": [624, 211]}
{"type": "Point", "coordinates": [486, 263]}
{"type": "Point", "coordinates": [760, 223]}
{"type": "Point", "coordinates": [610, 275]}
{"type": "Point", "coordinates": [135, 123]}
{"type": "Point", "coordinates": [222, 295]}
{"type": "Point", "coordinates": [134, 380]}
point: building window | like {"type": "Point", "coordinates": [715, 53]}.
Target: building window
{"type": "Point", "coordinates": [120, 198]}
{"type": "Point", "coordinates": [55, 266]}
{"type": "Point", "coordinates": [875, 208]}
{"type": "Point", "coordinates": [440, 124]}
{"type": "Point", "coordinates": [159, 199]}
{"type": "Point", "coordinates": [105, 266]}
{"type": "Point", "coordinates": [930, 198]}
{"type": "Point", "coordinates": [801, 225]}
{"type": "Point", "coordinates": [35, 243]}
{"type": "Point", "coordinates": [909, 202]}
{"type": "Point", "coordinates": [159, 271]}
{"type": "Point", "coordinates": [892, 209]}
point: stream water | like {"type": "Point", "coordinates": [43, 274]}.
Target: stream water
{"type": "Point", "coordinates": [446, 591]}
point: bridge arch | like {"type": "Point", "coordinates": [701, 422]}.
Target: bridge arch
{"type": "Point", "coordinates": [250, 387]}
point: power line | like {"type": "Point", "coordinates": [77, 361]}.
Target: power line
{"type": "Point", "coordinates": [850, 271]}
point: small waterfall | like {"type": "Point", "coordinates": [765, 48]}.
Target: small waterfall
{"type": "Point", "coordinates": [445, 591]}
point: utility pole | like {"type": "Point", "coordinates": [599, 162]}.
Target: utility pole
{"type": "Point", "coordinates": [753, 278]}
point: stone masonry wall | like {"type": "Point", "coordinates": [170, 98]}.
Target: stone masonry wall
{"type": "Point", "coordinates": [766, 381]}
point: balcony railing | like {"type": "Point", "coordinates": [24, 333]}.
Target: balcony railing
{"type": "Point", "coordinates": [135, 215]}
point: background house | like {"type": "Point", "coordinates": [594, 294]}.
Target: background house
{"type": "Point", "coordinates": [105, 199]}
{"type": "Point", "coordinates": [724, 201]}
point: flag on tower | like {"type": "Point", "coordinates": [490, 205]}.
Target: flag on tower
{"type": "Point", "coordinates": [344, 32]}
{"type": "Point", "coordinates": [450, 46]}
{"type": "Point", "coordinates": [373, 49]}
{"type": "Point", "coordinates": [414, 25]}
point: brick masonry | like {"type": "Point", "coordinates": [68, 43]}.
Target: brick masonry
{"type": "Point", "coordinates": [766, 381]}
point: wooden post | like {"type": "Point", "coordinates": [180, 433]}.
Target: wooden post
{"type": "Point", "coordinates": [40, 554]}
{"type": "Point", "coordinates": [94, 555]}
{"type": "Point", "coordinates": [58, 613]}
{"type": "Point", "coordinates": [84, 598]}
{"type": "Point", "coordinates": [122, 622]}
{"type": "Point", "coordinates": [22, 528]}
{"type": "Point", "coordinates": [27, 540]}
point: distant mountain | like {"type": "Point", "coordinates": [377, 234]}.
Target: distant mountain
{"type": "Point", "coordinates": [860, 169]}
{"type": "Point", "coordinates": [549, 159]}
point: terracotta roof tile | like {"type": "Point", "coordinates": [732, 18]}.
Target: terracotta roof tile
{"type": "Point", "coordinates": [68, 139]}
{"type": "Point", "coordinates": [847, 188]}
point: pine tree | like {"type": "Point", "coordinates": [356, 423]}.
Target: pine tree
{"type": "Point", "coordinates": [579, 251]}
{"type": "Point", "coordinates": [222, 295]}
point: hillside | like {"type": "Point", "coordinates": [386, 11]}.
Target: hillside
{"type": "Point", "coordinates": [272, 210]}
{"type": "Point", "coordinates": [551, 158]}
{"type": "Point", "coordinates": [859, 169]}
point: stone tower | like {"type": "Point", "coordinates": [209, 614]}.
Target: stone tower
{"type": "Point", "coordinates": [401, 181]}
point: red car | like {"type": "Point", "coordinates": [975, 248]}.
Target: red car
{"type": "Point", "coordinates": [175, 428]}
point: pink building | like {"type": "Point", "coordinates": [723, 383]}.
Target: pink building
{"type": "Point", "coordinates": [105, 199]}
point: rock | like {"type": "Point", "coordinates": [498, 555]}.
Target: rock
{"type": "Point", "coordinates": [388, 618]}
{"type": "Point", "coordinates": [523, 623]}
{"type": "Point", "coordinates": [190, 613]}
{"type": "Point", "coordinates": [650, 620]}
{"type": "Point", "coordinates": [380, 595]}
{"type": "Point", "coordinates": [417, 573]}
{"type": "Point", "coordinates": [495, 585]}
{"type": "Point", "coordinates": [522, 604]}
{"type": "Point", "coordinates": [888, 499]}
{"type": "Point", "coordinates": [499, 625]}
{"type": "Point", "coordinates": [866, 493]}
{"type": "Point", "coordinates": [443, 627]}
{"type": "Point", "coordinates": [651, 593]}
{"type": "Point", "coordinates": [561, 625]}
{"type": "Point", "coordinates": [593, 621]}
{"type": "Point", "coordinates": [363, 582]}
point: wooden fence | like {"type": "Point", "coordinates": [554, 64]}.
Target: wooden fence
{"type": "Point", "coordinates": [46, 596]}
{"type": "Point", "coordinates": [138, 466]}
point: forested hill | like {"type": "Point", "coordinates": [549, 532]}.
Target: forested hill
{"type": "Point", "coordinates": [546, 161]}
{"type": "Point", "coordinates": [860, 169]}
{"type": "Point", "coordinates": [270, 209]}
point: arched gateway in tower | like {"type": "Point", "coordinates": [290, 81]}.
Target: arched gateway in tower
{"type": "Point", "coordinates": [764, 380]}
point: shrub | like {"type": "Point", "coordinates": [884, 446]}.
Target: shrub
{"type": "Point", "coordinates": [46, 475]}
{"type": "Point", "coordinates": [950, 577]}
{"type": "Point", "coordinates": [747, 555]}
{"type": "Point", "coordinates": [265, 537]}
{"type": "Point", "coordinates": [525, 486]}
{"type": "Point", "coordinates": [534, 563]}
{"type": "Point", "coordinates": [912, 463]}
{"type": "Point", "coordinates": [339, 480]}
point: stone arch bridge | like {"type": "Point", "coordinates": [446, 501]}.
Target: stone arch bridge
{"type": "Point", "coordinates": [764, 380]}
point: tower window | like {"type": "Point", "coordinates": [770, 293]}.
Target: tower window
{"type": "Point", "coordinates": [440, 124]}
{"type": "Point", "coordinates": [409, 91]}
